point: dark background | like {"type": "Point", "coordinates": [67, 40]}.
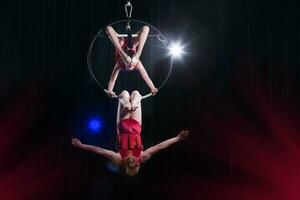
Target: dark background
{"type": "Point", "coordinates": [236, 90]}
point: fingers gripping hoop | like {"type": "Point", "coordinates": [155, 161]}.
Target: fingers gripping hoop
{"type": "Point", "coordinates": [158, 36]}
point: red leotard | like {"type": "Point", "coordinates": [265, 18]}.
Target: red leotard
{"type": "Point", "coordinates": [126, 49]}
{"type": "Point", "coordinates": [130, 143]}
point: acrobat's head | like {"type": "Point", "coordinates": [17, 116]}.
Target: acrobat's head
{"type": "Point", "coordinates": [132, 165]}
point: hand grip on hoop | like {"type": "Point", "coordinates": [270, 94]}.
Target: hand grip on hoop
{"type": "Point", "coordinates": [114, 96]}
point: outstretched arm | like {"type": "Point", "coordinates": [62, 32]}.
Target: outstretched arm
{"type": "Point", "coordinates": [114, 157]}
{"type": "Point", "coordinates": [146, 155]}
{"type": "Point", "coordinates": [112, 80]}
{"type": "Point", "coordinates": [147, 79]}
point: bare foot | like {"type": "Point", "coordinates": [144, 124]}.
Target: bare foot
{"type": "Point", "coordinates": [134, 61]}
{"type": "Point", "coordinates": [136, 102]}
{"type": "Point", "coordinates": [127, 107]}
{"type": "Point", "coordinates": [126, 60]}
{"type": "Point", "coordinates": [125, 103]}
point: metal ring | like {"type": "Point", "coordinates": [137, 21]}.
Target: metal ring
{"type": "Point", "coordinates": [160, 37]}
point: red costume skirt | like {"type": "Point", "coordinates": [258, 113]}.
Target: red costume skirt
{"type": "Point", "coordinates": [129, 138]}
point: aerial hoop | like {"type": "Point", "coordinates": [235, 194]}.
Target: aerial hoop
{"type": "Point", "coordinates": [159, 36]}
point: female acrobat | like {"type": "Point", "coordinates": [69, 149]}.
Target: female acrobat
{"type": "Point", "coordinates": [129, 126]}
{"type": "Point", "coordinates": [128, 58]}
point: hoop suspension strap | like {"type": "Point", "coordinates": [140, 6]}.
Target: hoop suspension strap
{"type": "Point", "coordinates": [128, 9]}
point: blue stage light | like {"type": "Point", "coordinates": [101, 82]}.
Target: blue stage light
{"type": "Point", "coordinates": [95, 125]}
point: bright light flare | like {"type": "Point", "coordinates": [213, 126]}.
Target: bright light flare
{"type": "Point", "coordinates": [176, 50]}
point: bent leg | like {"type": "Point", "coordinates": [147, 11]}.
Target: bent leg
{"type": "Point", "coordinates": [141, 40]}
{"type": "Point", "coordinates": [136, 112]}
{"type": "Point", "coordinates": [113, 36]}
{"type": "Point", "coordinates": [124, 99]}
{"type": "Point", "coordinates": [123, 106]}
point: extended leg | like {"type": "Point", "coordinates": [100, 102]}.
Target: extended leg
{"type": "Point", "coordinates": [146, 77]}
{"type": "Point", "coordinates": [136, 112]}
{"type": "Point", "coordinates": [112, 80]}
{"type": "Point", "coordinates": [124, 106]}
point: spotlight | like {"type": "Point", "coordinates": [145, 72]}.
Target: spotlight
{"type": "Point", "coordinates": [95, 125]}
{"type": "Point", "coordinates": [176, 50]}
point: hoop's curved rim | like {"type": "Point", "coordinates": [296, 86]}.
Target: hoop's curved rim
{"type": "Point", "coordinates": [101, 31]}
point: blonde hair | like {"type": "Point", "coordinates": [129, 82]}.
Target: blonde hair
{"type": "Point", "coordinates": [131, 165]}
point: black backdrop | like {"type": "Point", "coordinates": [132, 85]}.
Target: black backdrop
{"type": "Point", "coordinates": [236, 90]}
